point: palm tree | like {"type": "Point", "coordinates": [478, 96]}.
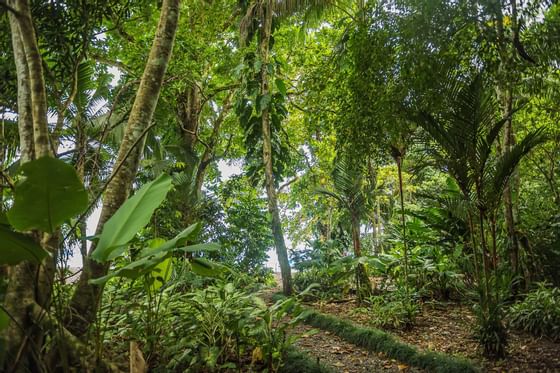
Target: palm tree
{"type": "Point", "coordinates": [462, 141]}
{"type": "Point", "coordinates": [349, 191]}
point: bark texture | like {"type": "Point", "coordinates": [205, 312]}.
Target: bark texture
{"type": "Point", "coordinates": [85, 300]}
{"type": "Point", "coordinates": [36, 80]}
{"type": "Point", "coordinates": [277, 233]}
{"type": "Point", "coordinates": [28, 283]}
{"type": "Point", "coordinates": [24, 108]}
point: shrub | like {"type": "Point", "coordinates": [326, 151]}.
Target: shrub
{"type": "Point", "coordinates": [224, 328]}
{"type": "Point", "coordinates": [490, 330]}
{"type": "Point", "coordinates": [396, 310]}
{"type": "Point", "coordinates": [538, 313]}
{"type": "Point", "coordinates": [327, 287]}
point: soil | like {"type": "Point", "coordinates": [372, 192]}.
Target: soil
{"type": "Point", "coordinates": [343, 356]}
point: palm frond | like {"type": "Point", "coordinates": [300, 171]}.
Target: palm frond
{"type": "Point", "coordinates": [501, 171]}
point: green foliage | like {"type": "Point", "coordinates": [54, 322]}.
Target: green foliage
{"type": "Point", "coordinates": [17, 247]}
{"type": "Point", "coordinates": [490, 330]}
{"type": "Point", "coordinates": [237, 219]}
{"type": "Point", "coordinates": [378, 341]}
{"type": "Point", "coordinates": [150, 258]}
{"type": "Point", "coordinates": [222, 326]}
{"type": "Point", "coordinates": [394, 310]}
{"type": "Point", "coordinates": [327, 284]}
{"type": "Point", "coordinates": [132, 216]}
{"type": "Point", "coordinates": [48, 195]}
{"type": "Point", "coordinates": [538, 313]}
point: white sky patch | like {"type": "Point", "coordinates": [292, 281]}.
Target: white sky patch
{"type": "Point", "coordinates": [228, 169]}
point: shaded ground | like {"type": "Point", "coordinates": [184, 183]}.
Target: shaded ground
{"type": "Point", "coordinates": [449, 329]}
{"type": "Point", "coordinates": [345, 357]}
{"type": "Point", "coordinates": [335, 352]}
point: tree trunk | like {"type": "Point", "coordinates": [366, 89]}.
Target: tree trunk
{"type": "Point", "coordinates": [85, 301]}
{"type": "Point", "coordinates": [279, 243]}
{"type": "Point", "coordinates": [362, 278]}
{"type": "Point", "coordinates": [36, 80]}
{"type": "Point", "coordinates": [24, 107]}
{"type": "Point", "coordinates": [509, 141]}
{"type": "Point", "coordinates": [398, 156]}
{"type": "Point", "coordinates": [28, 283]}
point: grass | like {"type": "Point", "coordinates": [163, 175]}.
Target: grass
{"type": "Point", "coordinates": [296, 361]}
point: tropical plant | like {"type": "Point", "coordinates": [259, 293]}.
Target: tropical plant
{"type": "Point", "coordinates": [351, 193]}
{"type": "Point", "coordinates": [538, 313]}
{"type": "Point", "coordinates": [397, 310]}
{"type": "Point", "coordinates": [461, 140]}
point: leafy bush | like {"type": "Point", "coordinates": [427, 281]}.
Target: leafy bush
{"type": "Point", "coordinates": [490, 330]}
{"type": "Point", "coordinates": [221, 328]}
{"type": "Point", "coordinates": [538, 313]}
{"type": "Point", "coordinates": [328, 286]}
{"type": "Point", "coordinates": [397, 310]}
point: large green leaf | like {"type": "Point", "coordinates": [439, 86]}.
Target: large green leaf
{"type": "Point", "coordinates": [189, 234]}
{"type": "Point", "coordinates": [153, 260]}
{"type": "Point", "coordinates": [16, 247]}
{"type": "Point", "coordinates": [205, 267]}
{"type": "Point", "coordinates": [50, 193]}
{"type": "Point", "coordinates": [132, 216]}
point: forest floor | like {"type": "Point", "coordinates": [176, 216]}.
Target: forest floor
{"type": "Point", "coordinates": [448, 328]}
{"type": "Point", "coordinates": [442, 327]}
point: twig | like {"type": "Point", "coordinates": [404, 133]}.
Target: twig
{"type": "Point", "coordinates": [288, 183]}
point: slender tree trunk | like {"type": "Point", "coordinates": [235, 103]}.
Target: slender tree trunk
{"type": "Point", "coordinates": [398, 160]}
{"type": "Point", "coordinates": [85, 301]}
{"type": "Point", "coordinates": [513, 241]}
{"type": "Point", "coordinates": [364, 284]}
{"type": "Point", "coordinates": [277, 233]}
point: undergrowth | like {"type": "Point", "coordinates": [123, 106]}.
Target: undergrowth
{"type": "Point", "coordinates": [538, 313]}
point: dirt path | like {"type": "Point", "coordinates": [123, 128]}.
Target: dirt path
{"type": "Point", "coordinates": [335, 352]}
{"type": "Point", "coordinates": [345, 357]}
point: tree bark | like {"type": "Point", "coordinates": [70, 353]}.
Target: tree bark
{"type": "Point", "coordinates": [36, 79]}
{"type": "Point", "coordinates": [24, 107]}
{"type": "Point", "coordinates": [85, 301]}
{"type": "Point", "coordinates": [398, 159]}
{"type": "Point", "coordinates": [281, 251]}
{"type": "Point", "coordinates": [364, 284]}
{"type": "Point", "coordinates": [509, 141]}
{"type": "Point", "coordinates": [28, 282]}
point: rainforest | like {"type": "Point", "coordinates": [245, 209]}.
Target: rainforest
{"type": "Point", "coordinates": [279, 186]}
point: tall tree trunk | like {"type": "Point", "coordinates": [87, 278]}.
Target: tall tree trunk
{"type": "Point", "coordinates": [281, 251]}
{"type": "Point", "coordinates": [509, 141]}
{"type": "Point", "coordinates": [36, 79]}
{"type": "Point", "coordinates": [403, 222]}
{"type": "Point", "coordinates": [85, 301]}
{"type": "Point", "coordinates": [24, 107]}
{"type": "Point", "coordinates": [28, 283]}
{"type": "Point", "coordinates": [507, 50]}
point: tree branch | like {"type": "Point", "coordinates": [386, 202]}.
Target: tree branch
{"type": "Point", "coordinates": [9, 8]}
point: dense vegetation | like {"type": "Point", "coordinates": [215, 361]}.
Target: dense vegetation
{"type": "Point", "coordinates": [398, 157]}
